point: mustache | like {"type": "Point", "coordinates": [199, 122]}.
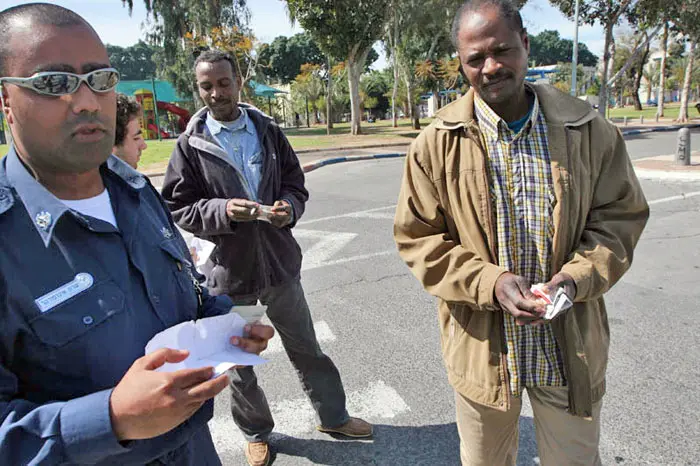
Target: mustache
{"type": "Point", "coordinates": [487, 80]}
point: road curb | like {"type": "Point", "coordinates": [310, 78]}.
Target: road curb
{"type": "Point", "coordinates": [658, 129]}
{"type": "Point", "coordinates": [365, 146]}
{"type": "Point", "coordinates": [351, 158]}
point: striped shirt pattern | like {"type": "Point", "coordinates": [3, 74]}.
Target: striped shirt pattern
{"type": "Point", "coordinates": [522, 197]}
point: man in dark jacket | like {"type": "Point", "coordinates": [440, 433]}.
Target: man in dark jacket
{"type": "Point", "coordinates": [231, 161]}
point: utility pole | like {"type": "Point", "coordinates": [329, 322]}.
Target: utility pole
{"type": "Point", "coordinates": [574, 56]}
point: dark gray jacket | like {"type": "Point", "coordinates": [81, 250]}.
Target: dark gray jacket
{"type": "Point", "coordinates": [200, 179]}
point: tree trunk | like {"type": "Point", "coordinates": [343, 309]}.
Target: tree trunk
{"type": "Point", "coordinates": [395, 62]}
{"type": "Point", "coordinates": [638, 78]}
{"type": "Point", "coordinates": [329, 100]}
{"type": "Point", "coordinates": [356, 65]}
{"type": "Point", "coordinates": [412, 108]}
{"type": "Point", "coordinates": [683, 113]}
{"type": "Point", "coordinates": [603, 94]}
{"type": "Point", "coordinates": [662, 74]}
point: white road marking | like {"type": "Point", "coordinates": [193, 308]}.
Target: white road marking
{"type": "Point", "coordinates": [353, 259]}
{"type": "Point", "coordinates": [323, 334]}
{"type": "Point", "coordinates": [374, 215]}
{"type": "Point", "coordinates": [647, 174]}
{"type": "Point", "coordinates": [296, 418]}
{"type": "Point", "coordinates": [349, 214]}
{"type": "Point", "coordinates": [328, 244]}
{"type": "Point", "coordinates": [679, 197]}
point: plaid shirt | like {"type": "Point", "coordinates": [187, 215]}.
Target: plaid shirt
{"type": "Point", "coordinates": [523, 199]}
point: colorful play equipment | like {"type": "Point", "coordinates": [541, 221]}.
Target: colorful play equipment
{"type": "Point", "coordinates": [149, 115]}
{"type": "Point", "coordinates": [165, 96]}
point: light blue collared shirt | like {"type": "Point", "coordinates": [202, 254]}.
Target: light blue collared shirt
{"type": "Point", "coordinates": [240, 141]}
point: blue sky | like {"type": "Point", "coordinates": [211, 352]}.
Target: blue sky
{"type": "Point", "coordinates": [269, 19]}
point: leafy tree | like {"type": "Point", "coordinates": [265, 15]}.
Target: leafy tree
{"type": "Point", "coordinates": [309, 85]}
{"type": "Point", "coordinates": [548, 48]}
{"type": "Point", "coordinates": [345, 30]}
{"type": "Point", "coordinates": [282, 59]}
{"type": "Point", "coordinates": [169, 22]}
{"type": "Point", "coordinates": [134, 62]}
{"type": "Point", "coordinates": [608, 13]}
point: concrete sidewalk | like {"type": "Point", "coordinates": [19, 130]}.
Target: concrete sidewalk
{"type": "Point", "coordinates": [664, 167]}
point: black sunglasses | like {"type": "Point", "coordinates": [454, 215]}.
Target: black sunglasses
{"type": "Point", "coordinates": [58, 83]}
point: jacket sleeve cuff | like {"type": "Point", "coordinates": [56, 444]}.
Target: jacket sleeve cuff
{"type": "Point", "coordinates": [487, 286]}
{"type": "Point", "coordinates": [291, 203]}
{"type": "Point", "coordinates": [581, 278]}
{"type": "Point", "coordinates": [86, 429]}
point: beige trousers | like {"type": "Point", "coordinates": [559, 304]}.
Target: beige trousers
{"type": "Point", "coordinates": [489, 437]}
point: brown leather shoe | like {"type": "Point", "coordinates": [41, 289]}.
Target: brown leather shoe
{"type": "Point", "coordinates": [257, 453]}
{"type": "Point", "coordinates": [355, 428]}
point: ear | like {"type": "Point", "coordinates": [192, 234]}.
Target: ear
{"type": "Point", "coordinates": [5, 100]}
{"type": "Point", "coordinates": [525, 37]}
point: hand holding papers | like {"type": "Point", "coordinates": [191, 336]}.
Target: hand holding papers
{"type": "Point", "coordinates": [556, 304]}
{"type": "Point", "coordinates": [208, 341]}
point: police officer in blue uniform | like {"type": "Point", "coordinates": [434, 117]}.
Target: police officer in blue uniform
{"type": "Point", "coordinates": [91, 268]}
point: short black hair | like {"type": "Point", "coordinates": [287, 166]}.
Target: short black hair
{"type": "Point", "coordinates": [508, 11]}
{"type": "Point", "coordinates": [127, 110]}
{"type": "Point", "coordinates": [213, 56]}
{"type": "Point", "coordinates": [44, 14]}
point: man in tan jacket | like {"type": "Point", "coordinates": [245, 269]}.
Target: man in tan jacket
{"type": "Point", "coordinates": [513, 185]}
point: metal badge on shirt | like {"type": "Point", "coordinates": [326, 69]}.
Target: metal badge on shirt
{"type": "Point", "coordinates": [81, 282]}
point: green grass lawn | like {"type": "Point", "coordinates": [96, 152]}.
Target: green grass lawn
{"type": "Point", "coordinates": [670, 111]}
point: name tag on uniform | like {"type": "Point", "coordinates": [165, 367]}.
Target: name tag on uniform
{"type": "Point", "coordinates": [80, 283]}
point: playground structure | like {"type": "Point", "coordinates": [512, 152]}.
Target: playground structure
{"type": "Point", "coordinates": [149, 126]}
{"type": "Point", "coordinates": [157, 98]}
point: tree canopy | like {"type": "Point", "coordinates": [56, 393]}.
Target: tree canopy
{"type": "Point", "coordinates": [134, 62]}
{"type": "Point", "coordinates": [548, 48]}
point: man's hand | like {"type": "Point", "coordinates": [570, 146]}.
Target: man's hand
{"type": "Point", "coordinates": [242, 210]}
{"type": "Point", "coordinates": [562, 279]}
{"type": "Point", "coordinates": [281, 214]}
{"type": "Point", "coordinates": [256, 339]}
{"type": "Point", "coordinates": [514, 296]}
{"type": "Point", "coordinates": [146, 403]}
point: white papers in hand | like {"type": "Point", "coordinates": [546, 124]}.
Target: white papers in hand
{"type": "Point", "coordinates": [208, 341]}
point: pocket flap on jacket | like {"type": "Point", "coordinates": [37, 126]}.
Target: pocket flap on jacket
{"type": "Point", "coordinates": [76, 316]}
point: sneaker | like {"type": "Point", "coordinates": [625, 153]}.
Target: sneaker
{"type": "Point", "coordinates": [257, 453]}
{"type": "Point", "coordinates": [355, 428]}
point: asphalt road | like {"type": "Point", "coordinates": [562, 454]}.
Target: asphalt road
{"type": "Point", "coordinates": [380, 328]}
{"type": "Point", "coordinates": [661, 143]}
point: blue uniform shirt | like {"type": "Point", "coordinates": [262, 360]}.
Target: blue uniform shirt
{"type": "Point", "coordinates": [79, 300]}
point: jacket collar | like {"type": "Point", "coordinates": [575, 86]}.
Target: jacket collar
{"type": "Point", "coordinates": [259, 120]}
{"type": "Point", "coordinates": [242, 122]}
{"type": "Point", "coordinates": [43, 207]}
{"type": "Point", "coordinates": [557, 108]}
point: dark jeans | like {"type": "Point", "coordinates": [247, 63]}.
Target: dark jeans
{"type": "Point", "coordinates": [289, 313]}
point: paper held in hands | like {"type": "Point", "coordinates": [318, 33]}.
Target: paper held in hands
{"type": "Point", "coordinates": [555, 304]}
{"type": "Point", "coordinates": [265, 213]}
{"type": "Point", "coordinates": [208, 341]}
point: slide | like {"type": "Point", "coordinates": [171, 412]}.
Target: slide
{"type": "Point", "coordinates": [163, 134]}
{"type": "Point", "coordinates": [179, 111]}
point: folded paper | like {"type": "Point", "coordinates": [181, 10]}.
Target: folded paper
{"type": "Point", "coordinates": [209, 343]}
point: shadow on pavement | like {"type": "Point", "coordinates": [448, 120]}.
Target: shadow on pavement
{"type": "Point", "coordinates": [397, 445]}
